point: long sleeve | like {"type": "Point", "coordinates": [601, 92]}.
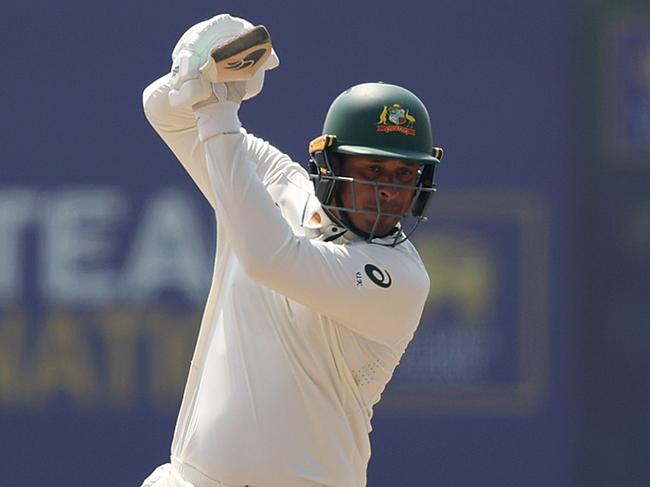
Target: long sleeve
{"type": "Point", "coordinates": [379, 292]}
{"type": "Point", "coordinates": [178, 129]}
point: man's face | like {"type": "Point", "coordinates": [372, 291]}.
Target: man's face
{"type": "Point", "coordinates": [387, 199]}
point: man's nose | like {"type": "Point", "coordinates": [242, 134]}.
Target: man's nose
{"type": "Point", "coordinates": [387, 193]}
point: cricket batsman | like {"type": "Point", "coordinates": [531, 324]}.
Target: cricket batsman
{"type": "Point", "coordinates": [316, 290]}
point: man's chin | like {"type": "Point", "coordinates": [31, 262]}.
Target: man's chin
{"type": "Point", "coordinates": [382, 229]}
{"type": "Point", "coordinates": [385, 232]}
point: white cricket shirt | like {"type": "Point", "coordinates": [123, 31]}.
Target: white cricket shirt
{"type": "Point", "coordinates": [300, 335]}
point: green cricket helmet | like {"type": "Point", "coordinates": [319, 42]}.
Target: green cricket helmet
{"type": "Point", "coordinates": [379, 120]}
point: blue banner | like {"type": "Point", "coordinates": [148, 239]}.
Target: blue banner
{"type": "Point", "coordinates": [106, 247]}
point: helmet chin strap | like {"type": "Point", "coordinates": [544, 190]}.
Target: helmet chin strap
{"type": "Point", "coordinates": [398, 234]}
{"type": "Point", "coordinates": [342, 219]}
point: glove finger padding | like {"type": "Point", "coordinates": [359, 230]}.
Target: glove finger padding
{"type": "Point", "coordinates": [188, 86]}
{"type": "Point", "coordinates": [204, 36]}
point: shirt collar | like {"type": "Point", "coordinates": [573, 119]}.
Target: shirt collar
{"type": "Point", "coordinates": [315, 218]}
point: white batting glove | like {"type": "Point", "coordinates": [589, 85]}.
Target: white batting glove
{"type": "Point", "coordinates": [188, 86]}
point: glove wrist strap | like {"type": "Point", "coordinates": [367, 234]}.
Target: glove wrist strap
{"type": "Point", "coordinates": [217, 118]}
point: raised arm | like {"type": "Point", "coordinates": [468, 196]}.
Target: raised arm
{"type": "Point", "coordinates": [378, 292]}
{"type": "Point", "coordinates": [176, 126]}
{"type": "Point", "coordinates": [169, 101]}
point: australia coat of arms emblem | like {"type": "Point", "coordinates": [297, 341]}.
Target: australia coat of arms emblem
{"type": "Point", "coordinates": [395, 118]}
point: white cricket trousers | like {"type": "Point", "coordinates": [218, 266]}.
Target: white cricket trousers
{"type": "Point", "coordinates": [178, 474]}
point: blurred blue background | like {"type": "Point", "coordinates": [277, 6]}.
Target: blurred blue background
{"type": "Point", "coordinates": [531, 363]}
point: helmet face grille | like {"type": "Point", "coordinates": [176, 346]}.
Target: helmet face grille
{"type": "Point", "coordinates": [341, 214]}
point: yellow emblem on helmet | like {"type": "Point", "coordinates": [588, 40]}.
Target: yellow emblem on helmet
{"type": "Point", "coordinates": [395, 118]}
